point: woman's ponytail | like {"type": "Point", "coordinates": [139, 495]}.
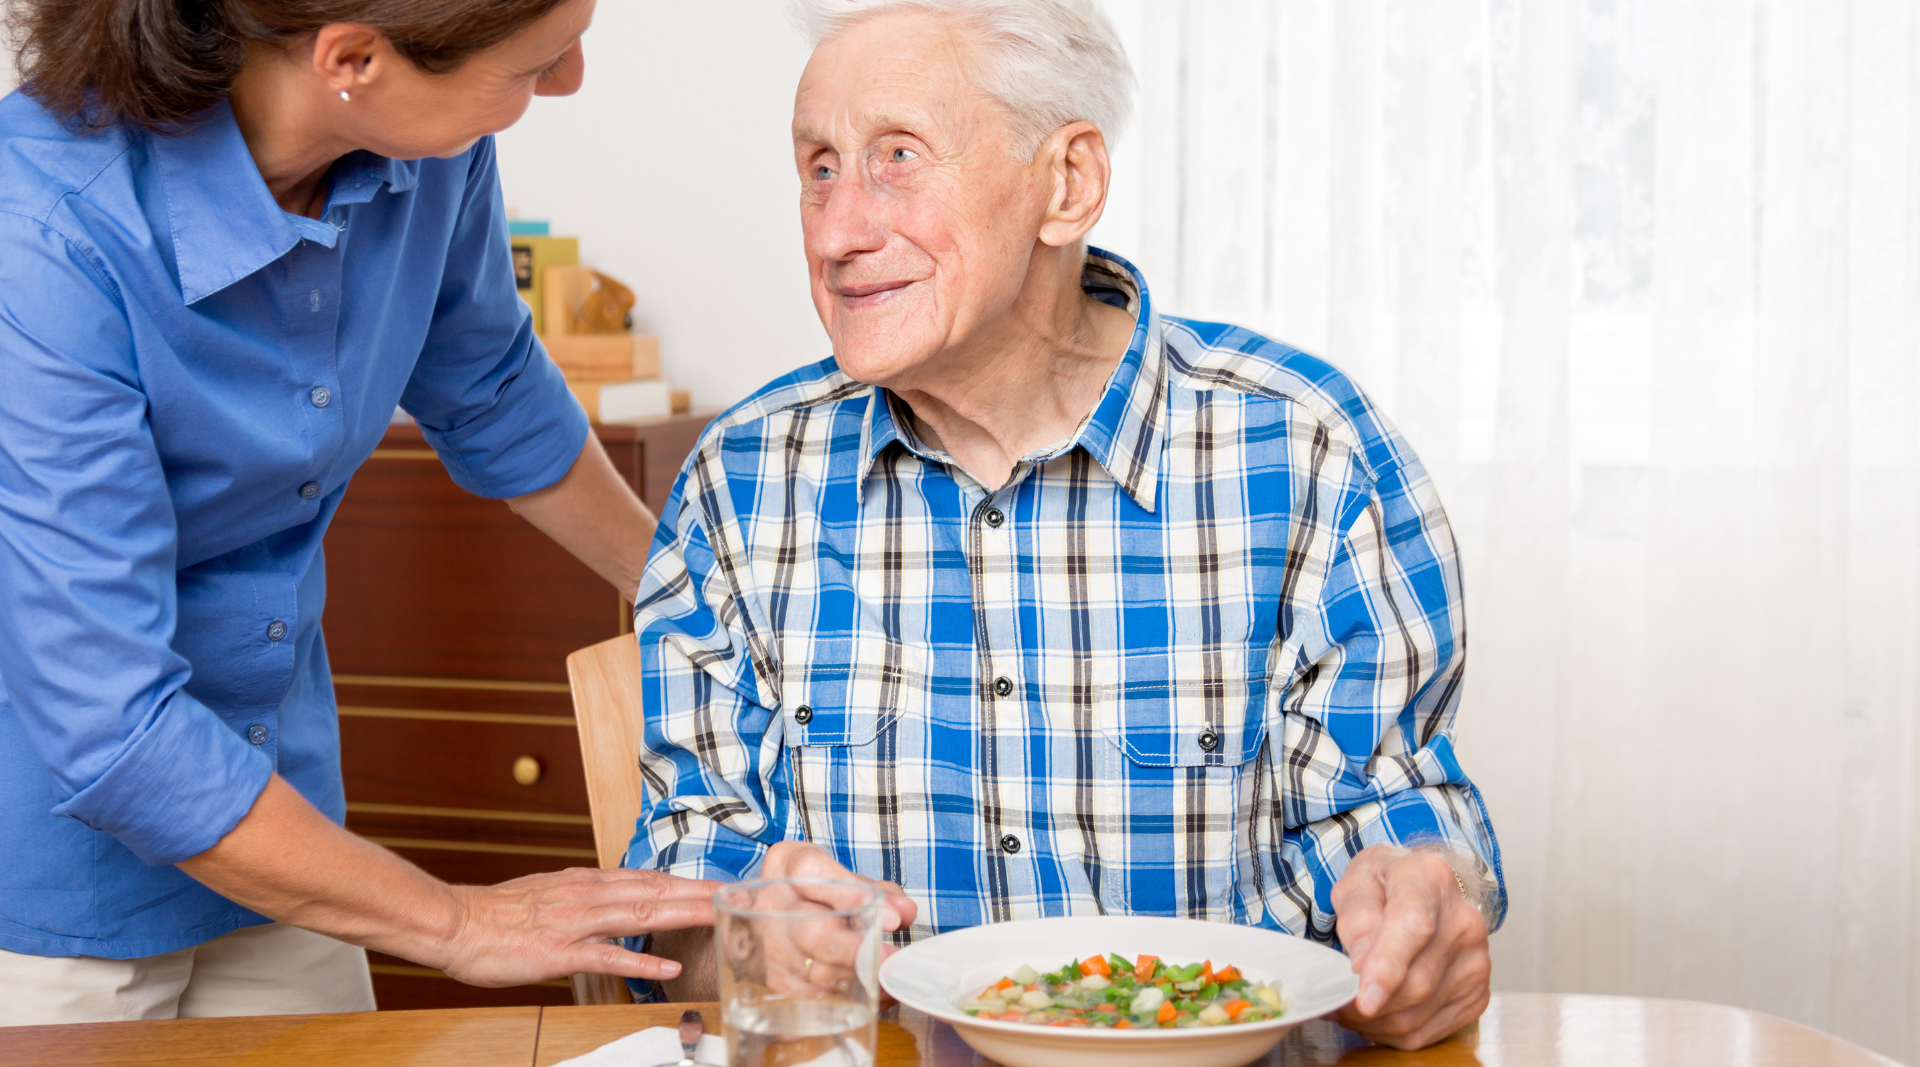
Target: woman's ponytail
{"type": "Point", "coordinates": [160, 63]}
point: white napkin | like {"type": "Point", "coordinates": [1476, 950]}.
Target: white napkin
{"type": "Point", "coordinates": [652, 1047]}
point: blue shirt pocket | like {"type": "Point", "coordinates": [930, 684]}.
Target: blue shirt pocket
{"type": "Point", "coordinates": [849, 700]}
{"type": "Point", "coordinates": [1163, 715]}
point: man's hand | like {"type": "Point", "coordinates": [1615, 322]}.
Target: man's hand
{"type": "Point", "coordinates": [1418, 945]}
{"type": "Point", "coordinates": [804, 859]}
{"type": "Point", "coordinates": [788, 859]}
{"type": "Point", "coordinates": [549, 925]}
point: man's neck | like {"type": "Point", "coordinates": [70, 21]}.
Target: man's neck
{"type": "Point", "coordinates": [1028, 384]}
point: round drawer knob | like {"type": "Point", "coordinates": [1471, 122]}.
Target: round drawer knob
{"type": "Point", "coordinates": [527, 770]}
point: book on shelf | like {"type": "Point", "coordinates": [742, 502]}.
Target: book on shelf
{"type": "Point", "coordinates": [533, 256]}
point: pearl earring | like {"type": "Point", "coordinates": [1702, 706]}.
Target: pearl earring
{"type": "Point", "coordinates": [344, 96]}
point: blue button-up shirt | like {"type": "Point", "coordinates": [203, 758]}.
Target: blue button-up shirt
{"type": "Point", "coordinates": [1189, 662]}
{"type": "Point", "coordinates": [188, 378]}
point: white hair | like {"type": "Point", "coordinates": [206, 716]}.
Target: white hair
{"type": "Point", "coordinates": [1048, 62]}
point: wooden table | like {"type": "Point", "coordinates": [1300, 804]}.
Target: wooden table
{"type": "Point", "coordinates": [1519, 1030]}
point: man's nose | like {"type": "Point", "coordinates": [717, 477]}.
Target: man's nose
{"type": "Point", "coordinates": [853, 221]}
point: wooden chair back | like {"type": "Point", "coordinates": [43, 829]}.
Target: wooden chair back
{"type": "Point", "coordinates": [608, 714]}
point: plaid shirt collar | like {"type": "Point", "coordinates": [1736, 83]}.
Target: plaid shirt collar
{"type": "Point", "coordinates": [1124, 433]}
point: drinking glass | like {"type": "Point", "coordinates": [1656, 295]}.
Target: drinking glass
{"type": "Point", "coordinates": [798, 962]}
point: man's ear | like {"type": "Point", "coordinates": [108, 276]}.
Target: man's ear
{"type": "Point", "coordinates": [1075, 157]}
{"type": "Point", "coordinates": [349, 57]}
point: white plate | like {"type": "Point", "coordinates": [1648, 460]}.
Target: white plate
{"type": "Point", "coordinates": [935, 975]}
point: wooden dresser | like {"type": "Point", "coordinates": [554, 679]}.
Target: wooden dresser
{"type": "Point", "coordinates": [449, 620]}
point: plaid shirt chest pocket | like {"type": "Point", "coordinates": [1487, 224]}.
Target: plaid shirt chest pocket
{"type": "Point", "coordinates": [850, 687]}
{"type": "Point", "coordinates": [1189, 685]}
{"type": "Point", "coordinates": [1185, 724]}
{"type": "Point", "coordinates": [844, 706]}
{"type": "Point", "coordinates": [1173, 708]}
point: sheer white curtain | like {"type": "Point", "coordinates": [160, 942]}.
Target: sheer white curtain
{"type": "Point", "coordinates": [1641, 281]}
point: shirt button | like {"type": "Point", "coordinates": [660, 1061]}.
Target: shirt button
{"type": "Point", "coordinates": [313, 300]}
{"type": "Point", "coordinates": [995, 517]}
{"type": "Point", "coordinates": [1209, 741]}
{"type": "Point", "coordinates": [257, 734]}
{"type": "Point", "coordinates": [321, 396]}
{"type": "Point", "coordinates": [1003, 686]}
{"type": "Point", "coordinates": [803, 715]}
{"type": "Point", "coordinates": [1009, 844]}
{"type": "Point", "coordinates": [310, 490]}
{"type": "Point", "coordinates": [277, 631]}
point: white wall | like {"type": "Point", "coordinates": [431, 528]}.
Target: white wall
{"type": "Point", "coordinates": [674, 167]}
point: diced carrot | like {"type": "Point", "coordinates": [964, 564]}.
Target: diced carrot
{"type": "Point", "coordinates": [1095, 965]}
{"type": "Point", "coordinates": [1123, 1024]}
{"type": "Point", "coordinates": [1143, 968]}
{"type": "Point", "coordinates": [1229, 973]}
{"type": "Point", "coordinates": [1012, 1016]}
{"type": "Point", "coordinates": [1206, 972]}
{"type": "Point", "coordinates": [1004, 983]}
{"type": "Point", "coordinates": [1233, 1008]}
{"type": "Point", "coordinates": [1167, 1012]}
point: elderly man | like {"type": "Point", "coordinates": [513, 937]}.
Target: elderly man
{"type": "Point", "coordinates": [1039, 602]}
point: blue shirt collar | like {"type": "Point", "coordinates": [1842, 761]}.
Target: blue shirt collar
{"type": "Point", "coordinates": [225, 223]}
{"type": "Point", "coordinates": [1124, 433]}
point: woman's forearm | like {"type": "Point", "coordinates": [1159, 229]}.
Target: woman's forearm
{"type": "Point", "coordinates": [287, 861]}
{"type": "Point", "coordinates": [593, 513]}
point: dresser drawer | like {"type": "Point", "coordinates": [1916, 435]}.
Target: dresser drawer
{"type": "Point", "coordinates": [450, 862]}
{"type": "Point", "coordinates": [455, 760]}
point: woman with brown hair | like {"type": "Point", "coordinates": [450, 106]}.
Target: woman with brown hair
{"type": "Point", "coordinates": [234, 234]}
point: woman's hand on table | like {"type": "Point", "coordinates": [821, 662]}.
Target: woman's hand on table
{"type": "Point", "coordinates": [550, 925]}
{"type": "Point", "coordinates": [1417, 943]}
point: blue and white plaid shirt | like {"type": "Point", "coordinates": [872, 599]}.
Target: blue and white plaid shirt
{"type": "Point", "coordinates": [1187, 663]}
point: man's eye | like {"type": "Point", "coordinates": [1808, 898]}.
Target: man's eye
{"type": "Point", "coordinates": [822, 174]}
{"type": "Point", "coordinates": [902, 155]}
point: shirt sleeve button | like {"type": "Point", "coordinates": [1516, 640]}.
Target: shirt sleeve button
{"type": "Point", "coordinates": [1009, 844]}
{"type": "Point", "coordinates": [321, 396]}
{"type": "Point", "coordinates": [1209, 741]}
{"type": "Point", "coordinates": [1003, 686]}
{"type": "Point", "coordinates": [276, 631]}
{"type": "Point", "coordinates": [309, 490]}
{"type": "Point", "coordinates": [803, 715]}
{"type": "Point", "coordinates": [257, 734]}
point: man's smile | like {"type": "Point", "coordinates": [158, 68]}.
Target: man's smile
{"type": "Point", "coordinates": [859, 296]}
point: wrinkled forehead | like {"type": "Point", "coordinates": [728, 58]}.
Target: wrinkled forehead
{"type": "Point", "coordinates": [904, 72]}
